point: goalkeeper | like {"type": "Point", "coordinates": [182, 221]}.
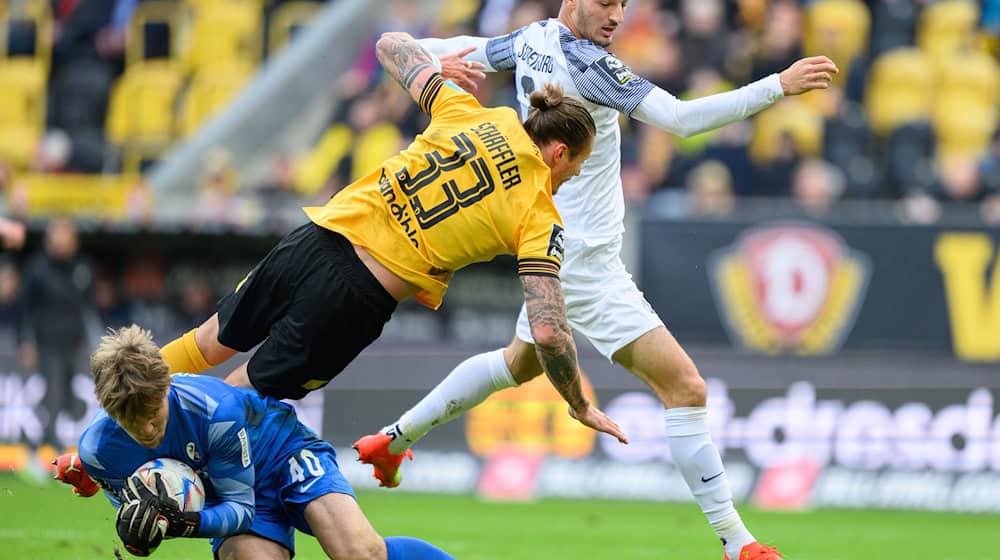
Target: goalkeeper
{"type": "Point", "coordinates": [266, 474]}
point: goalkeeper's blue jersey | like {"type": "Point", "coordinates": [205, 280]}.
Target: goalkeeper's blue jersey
{"type": "Point", "coordinates": [230, 436]}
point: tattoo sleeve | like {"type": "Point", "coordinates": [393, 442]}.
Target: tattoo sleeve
{"type": "Point", "coordinates": [553, 339]}
{"type": "Point", "coordinates": [404, 59]}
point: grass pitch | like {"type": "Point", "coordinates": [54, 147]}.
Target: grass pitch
{"type": "Point", "coordinates": [42, 521]}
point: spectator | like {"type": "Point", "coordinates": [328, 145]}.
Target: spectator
{"type": "Point", "coordinates": [710, 190]}
{"type": "Point", "coordinates": [58, 291]}
{"type": "Point", "coordinates": [11, 234]}
{"type": "Point", "coordinates": [959, 179]}
{"type": "Point", "coordinates": [780, 43]}
{"type": "Point", "coordinates": [11, 307]}
{"type": "Point", "coordinates": [817, 185]}
{"type": "Point", "coordinates": [145, 279]}
{"type": "Point", "coordinates": [197, 302]}
{"type": "Point", "coordinates": [112, 310]}
{"type": "Point", "coordinates": [703, 38]}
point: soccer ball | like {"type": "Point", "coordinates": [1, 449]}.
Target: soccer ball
{"type": "Point", "coordinates": [181, 481]}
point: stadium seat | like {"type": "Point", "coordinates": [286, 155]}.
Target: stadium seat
{"type": "Point", "coordinates": [790, 116]}
{"type": "Point", "coordinates": [963, 129]}
{"type": "Point", "coordinates": [224, 33]}
{"type": "Point", "coordinates": [208, 92]}
{"type": "Point", "coordinates": [900, 89]}
{"type": "Point", "coordinates": [847, 144]}
{"type": "Point", "coordinates": [947, 26]}
{"type": "Point", "coordinates": [373, 146]}
{"type": "Point", "coordinates": [838, 29]}
{"type": "Point", "coordinates": [910, 152]}
{"type": "Point", "coordinates": [22, 110]}
{"type": "Point", "coordinates": [24, 23]}
{"type": "Point", "coordinates": [315, 168]}
{"type": "Point", "coordinates": [286, 21]}
{"type": "Point", "coordinates": [894, 25]}
{"type": "Point", "coordinates": [974, 76]}
{"type": "Point", "coordinates": [150, 19]}
{"type": "Point", "coordinates": [142, 104]}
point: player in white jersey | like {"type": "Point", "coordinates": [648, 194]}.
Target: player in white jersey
{"type": "Point", "coordinates": [603, 302]}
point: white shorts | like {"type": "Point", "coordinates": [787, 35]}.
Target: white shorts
{"type": "Point", "coordinates": [602, 301]}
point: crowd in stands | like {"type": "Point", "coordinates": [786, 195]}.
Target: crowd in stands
{"type": "Point", "coordinates": [912, 116]}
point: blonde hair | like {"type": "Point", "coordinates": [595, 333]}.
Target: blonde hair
{"type": "Point", "coordinates": [556, 117]}
{"type": "Point", "coordinates": [130, 376]}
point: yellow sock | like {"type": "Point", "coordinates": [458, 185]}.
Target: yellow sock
{"type": "Point", "coordinates": [183, 355]}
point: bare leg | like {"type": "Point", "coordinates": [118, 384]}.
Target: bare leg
{"type": "Point", "coordinates": [658, 359]}
{"type": "Point", "coordinates": [252, 547]}
{"type": "Point", "coordinates": [207, 338]}
{"type": "Point", "coordinates": [343, 530]}
{"type": "Point", "coordinates": [239, 377]}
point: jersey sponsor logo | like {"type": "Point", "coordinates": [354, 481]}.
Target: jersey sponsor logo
{"type": "Point", "coordinates": [399, 211]}
{"type": "Point", "coordinates": [615, 68]}
{"type": "Point", "coordinates": [244, 446]}
{"type": "Point", "coordinates": [535, 60]}
{"type": "Point", "coordinates": [192, 452]}
{"type": "Point", "coordinates": [789, 288]}
{"type": "Point", "coordinates": [557, 242]}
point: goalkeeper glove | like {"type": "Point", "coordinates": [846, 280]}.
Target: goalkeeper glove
{"type": "Point", "coordinates": [139, 527]}
{"type": "Point", "coordinates": [176, 523]}
{"type": "Point", "coordinates": [69, 470]}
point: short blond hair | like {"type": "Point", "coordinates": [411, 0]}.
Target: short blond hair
{"type": "Point", "coordinates": [130, 376]}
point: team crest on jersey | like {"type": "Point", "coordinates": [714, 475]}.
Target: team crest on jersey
{"type": "Point", "coordinates": [616, 69]}
{"type": "Point", "coordinates": [557, 242]}
{"type": "Point", "coordinates": [192, 452]}
{"type": "Point", "coordinates": [789, 288]}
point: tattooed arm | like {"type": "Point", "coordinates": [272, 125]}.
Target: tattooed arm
{"type": "Point", "coordinates": [553, 340]}
{"type": "Point", "coordinates": [406, 61]}
{"type": "Point", "coordinates": [557, 352]}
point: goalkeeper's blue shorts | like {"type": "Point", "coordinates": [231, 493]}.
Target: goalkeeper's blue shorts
{"type": "Point", "coordinates": [281, 498]}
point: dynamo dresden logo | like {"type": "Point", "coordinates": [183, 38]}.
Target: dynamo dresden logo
{"type": "Point", "coordinates": [789, 288]}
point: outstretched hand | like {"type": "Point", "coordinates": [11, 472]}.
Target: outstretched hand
{"type": "Point", "coordinates": [807, 74]}
{"type": "Point", "coordinates": [594, 418]}
{"type": "Point", "coordinates": [465, 73]}
{"type": "Point", "coordinates": [69, 470]}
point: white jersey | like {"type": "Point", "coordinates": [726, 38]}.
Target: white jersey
{"type": "Point", "coordinates": [592, 204]}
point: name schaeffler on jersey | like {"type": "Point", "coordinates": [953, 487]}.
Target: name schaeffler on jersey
{"type": "Point", "coordinates": [500, 152]}
{"type": "Point", "coordinates": [537, 61]}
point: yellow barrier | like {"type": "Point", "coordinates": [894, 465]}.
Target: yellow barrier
{"type": "Point", "coordinates": [103, 196]}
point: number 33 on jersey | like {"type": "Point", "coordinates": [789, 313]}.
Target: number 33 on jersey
{"type": "Point", "coordinates": [472, 186]}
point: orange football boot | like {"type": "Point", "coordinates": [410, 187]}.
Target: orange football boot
{"type": "Point", "coordinates": [374, 450]}
{"type": "Point", "coordinates": [756, 551]}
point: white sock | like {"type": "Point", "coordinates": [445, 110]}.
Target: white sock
{"type": "Point", "coordinates": [701, 465]}
{"type": "Point", "coordinates": [466, 386]}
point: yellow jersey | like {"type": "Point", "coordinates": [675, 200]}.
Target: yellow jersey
{"type": "Point", "coordinates": [471, 187]}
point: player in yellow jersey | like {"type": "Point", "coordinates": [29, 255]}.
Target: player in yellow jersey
{"type": "Point", "coordinates": [477, 183]}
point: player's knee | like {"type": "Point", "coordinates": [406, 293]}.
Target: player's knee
{"type": "Point", "coordinates": [691, 391]}
{"type": "Point", "coordinates": [359, 549]}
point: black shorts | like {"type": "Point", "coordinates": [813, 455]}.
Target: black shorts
{"type": "Point", "coordinates": [314, 302]}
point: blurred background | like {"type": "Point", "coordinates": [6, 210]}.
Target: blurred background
{"type": "Point", "coordinates": [833, 264]}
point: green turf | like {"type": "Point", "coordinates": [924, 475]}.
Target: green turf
{"type": "Point", "coordinates": [47, 521]}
